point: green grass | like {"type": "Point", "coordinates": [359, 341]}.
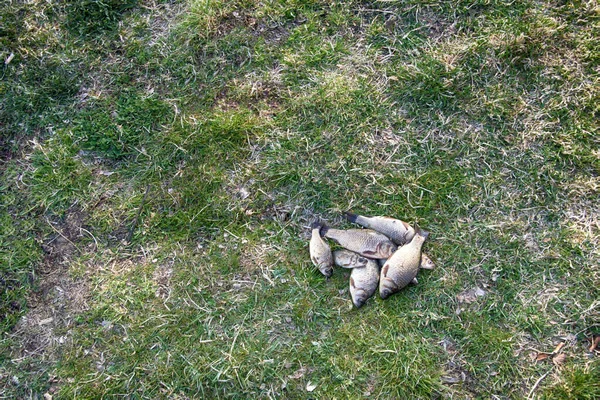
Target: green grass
{"type": "Point", "coordinates": [161, 162]}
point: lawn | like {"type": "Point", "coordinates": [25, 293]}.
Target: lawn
{"type": "Point", "coordinates": [162, 162]}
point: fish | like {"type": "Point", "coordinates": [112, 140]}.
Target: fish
{"type": "Point", "coordinates": [402, 267]}
{"type": "Point", "coordinates": [365, 242]}
{"type": "Point", "coordinates": [348, 259]}
{"type": "Point", "coordinates": [364, 282]}
{"type": "Point", "coordinates": [320, 252]}
{"type": "Point", "coordinates": [426, 262]}
{"type": "Point", "coordinates": [398, 231]}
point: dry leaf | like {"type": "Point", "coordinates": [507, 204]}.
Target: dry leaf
{"type": "Point", "coordinates": [310, 387]}
{"type": "Point", "coordinates": [595, 343]}
{"type": "Point", "coordinates": [559, 359]}
{"type": "Point", "coordinates": [542, 356]}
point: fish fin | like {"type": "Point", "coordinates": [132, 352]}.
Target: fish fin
{"type": "Point", "coordinates": [385, 270]}
{"type": "Point", "coordinates": [316, 224]}
{"type": "Point", "coordinates": [323, 230]}
{"type": "Point", "coordinates": [414, 281]}
{"type": "Point", "coordinates": [352, 282]}
{"type": "Point", "coordinates": [350, 216]}
{"type": "Point", "coordinates": [420, 231]}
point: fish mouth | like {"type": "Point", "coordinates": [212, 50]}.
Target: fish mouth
{"type": "Point", "coordinates": [384, 294]}
{"type": "Point", "coordinates": [358, 303]}
{"type": "Point", "coordinates": [328, 273]}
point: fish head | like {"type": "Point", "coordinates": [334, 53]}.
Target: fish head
{"type": "Point", "coordinates": [388, 248]}
{"type": "Point", "coordinates": [387, 287]}
{"type": "Point", "coordinates": [326, 270]}
{"type": "Point", "coordinates": [358, 302]}
{"type": "Point", "coordinates": [359, 298]}
{"type": "Point", "coordinates": [361, 261]}
{"type": "Point", "coordinates": [426, 262]}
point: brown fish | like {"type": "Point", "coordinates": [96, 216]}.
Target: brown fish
{"type": "Point", "coordinates": [348, 259]}
{"type": "Point", "coordinates": [320, 252]}
{"type": "Point", "coordinates": [426, 262]}
{"type": "Point", "coordinates": [398, 231]}
{"type": "Point", "coordinates": [365, 242]}
{"type": "Point", "coordinates": [402, 267]}
{"type": "Point", "coordinates": [363, 282]}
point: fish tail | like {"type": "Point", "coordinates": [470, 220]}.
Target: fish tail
{"type": "Point", "coordinates": [316, 224]}
{"type": "Point", "coordinates": [320, 225]}
{"type": "Point", "coordinates": [350, 216]}
{"type": "Point", "coordinates": [421, 232]}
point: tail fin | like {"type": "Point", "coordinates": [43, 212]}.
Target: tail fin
{"type": "Point", "coordinates": [420, 231]}
{"type": "Point", "coordinates": [350, 216]}
{"type": "Point", "coordinates": [320, 225]}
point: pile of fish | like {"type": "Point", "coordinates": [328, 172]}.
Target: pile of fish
{"type": "Point", "coordinates": [387, 242]}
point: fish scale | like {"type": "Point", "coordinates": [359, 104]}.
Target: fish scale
{"type": "Point", "coordinates": [364, 282]}
{"type": "Point", "coordinates": [320, 252]}
{"type": "Point", "coordinates": [402, 267]}
{"type": "Point", "coordinates": [348, 259]}
{"type": "Point", "coordinates": [365, 242]}
{"type": "Point", "coordinates": [398, 231]}
{"type": "Point", "coordinates": [425, 263]}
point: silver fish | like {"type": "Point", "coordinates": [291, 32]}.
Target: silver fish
{"type": "Point", "coordinates": [363, 282]}
{"type": "Point", "coordinates": [402, 267]}
{"type": "Point", "coordinates": [348, 259]}
{"type": "Point", "coordinates": [398, 231]}
{"type": "Point", "coordinates": [426, 262]}
{"type": "Point", "coordinates": [365, 242]}
{"type": "Point", "coordinates": [320, 252]}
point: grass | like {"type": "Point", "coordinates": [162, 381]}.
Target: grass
{"type": "Point", "coordinates": [161, 162]}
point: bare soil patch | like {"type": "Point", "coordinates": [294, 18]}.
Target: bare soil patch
{"type": "Point", "coordinates": [57, 299]}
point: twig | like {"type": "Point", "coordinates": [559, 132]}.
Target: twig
{"type": "Point", "coordinates": [137, 217]}
{"type": "Point", "coordinates": [537, 383]}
